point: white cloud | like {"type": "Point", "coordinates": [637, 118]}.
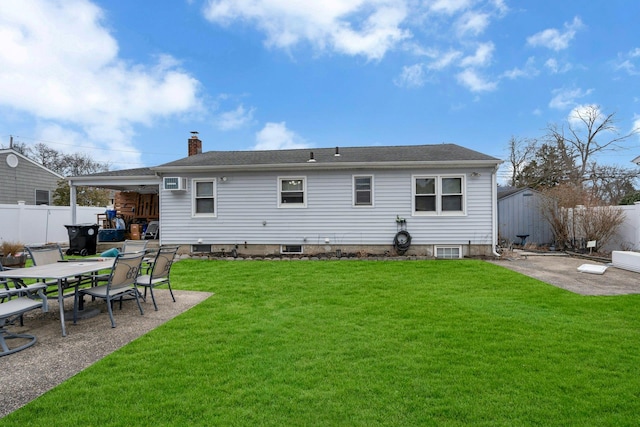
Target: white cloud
{"type": "Point", "coordinates": [528, 71]}
{"type": "Point", "coordinates": [481, 57]}
{"type": "Point", "coordinates": [627, 62]}
{"type": "Point", "coordinates": [554, 67]}
{"type": "Point", "coordinates": [473, 23]}
{"type": "Point", "coordinates": [444, 60]}
{"type": "Point", "coordinates": [351, 27]}
{"type": "Point", "coordinates": [449, 7]}
{"type": "Point", "coordinates": [565, 98]}
{"type": "Point", "coordinates": [411, 77]}
{"type": "Point", "coordinates": [60, 65]}
{"type": "Point", "coordinates": [553, 38]}
{"type": "Point", "coordinates": [234, 119]}
{"type": "Point", "coordinates": [276, 136]}
{"type": "Point", "coordinates": [474, 82]}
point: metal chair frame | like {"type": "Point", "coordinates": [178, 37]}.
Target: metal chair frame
{"type": "Point", "coordinates": [159, 274]}
{"type": "Point", "coordinates": [12, 309]}
{"type": "Point", "coordinates": [121, 283]}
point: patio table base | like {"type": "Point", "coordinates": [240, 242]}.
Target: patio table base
{"type": "Point", "coordinates": [82, 314]}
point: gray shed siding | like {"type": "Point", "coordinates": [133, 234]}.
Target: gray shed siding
{"type": "Point", "coordinates": [20, 183]}
{"type": "Point", "coordinates": [247, 201]}
{"type": "Point", "coordinates": [519, 214]}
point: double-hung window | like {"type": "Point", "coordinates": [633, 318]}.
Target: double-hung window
{"type": "Point", "coordinates": [438, 195]}
{"type": "Point", "coordinates": [42, 197]}
{"type": "Point", "coordinates": [363, 190]}
{"type": "Point", "coordinates": [292, 192]}
{"type": "Point", "coordinates": [204, 197]}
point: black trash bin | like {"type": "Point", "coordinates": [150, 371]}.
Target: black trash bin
{"type": "Point", "coordinates": [82, 239]}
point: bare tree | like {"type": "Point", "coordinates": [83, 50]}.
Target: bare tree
{"type": "Point", "coordinates": [611, 183]}
{"type": "Point", "coordinates": [555, 208]}
{"type": "Point", "coordinates": [590, 131]}
{"type": "Point", "coordinates": [521, 152]}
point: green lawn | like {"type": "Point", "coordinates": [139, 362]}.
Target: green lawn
{"type": "Point", "coordinates": [365, 343]}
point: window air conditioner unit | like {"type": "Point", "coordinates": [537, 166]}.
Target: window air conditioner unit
{"type": "Point", "coordinates": [174, 183]}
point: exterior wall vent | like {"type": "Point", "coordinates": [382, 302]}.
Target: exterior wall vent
{"type": "Point", "coordinates": [174, 183]}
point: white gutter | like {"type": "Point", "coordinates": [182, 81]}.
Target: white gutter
{"type": "Point", "coordinates": [494, 211]}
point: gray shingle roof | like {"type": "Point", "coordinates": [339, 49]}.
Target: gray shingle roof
{"type": "Point", "coordinates": [350, 155]}
{"type": "Point", "coordinates": [126, 172]}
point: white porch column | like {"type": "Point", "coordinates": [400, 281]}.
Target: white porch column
{"type": "Point", "coordinates": [72, 202]}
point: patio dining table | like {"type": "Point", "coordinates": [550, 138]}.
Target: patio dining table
{"type": "Point", "coordinates": [60, 271]}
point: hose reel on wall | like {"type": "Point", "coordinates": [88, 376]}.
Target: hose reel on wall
{"type": "Point", "coordinates": [402, 240]}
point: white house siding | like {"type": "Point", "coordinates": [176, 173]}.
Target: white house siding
{"type": "Point", "coordinates": [247, 201]}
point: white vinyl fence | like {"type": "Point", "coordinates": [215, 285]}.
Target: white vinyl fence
{"type": "Point", "coordinates": [35, 225]}
{"type": "Point", "coordinates": [627, 237]}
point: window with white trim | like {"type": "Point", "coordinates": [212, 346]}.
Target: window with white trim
{"type": "Point", "coordinates": [42, 197]}
{"type": "Point", "coordinates": [363, 190]}
{"type": "Point", "coordinates": [204, 197]}
{"type": "Point", "coordinates": [438, 195]}
{"type": "Point", "coordinates": [292, 192]}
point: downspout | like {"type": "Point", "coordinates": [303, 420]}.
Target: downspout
{"type": "Point", "coordinates": [494, 211]}
{"type": "Point", "coordinates": [72, 202]}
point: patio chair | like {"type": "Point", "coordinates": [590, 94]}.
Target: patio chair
{"type": "Point", "coordinates": [134, 246]}
{"type": "Point", "coordinates": [153, 229]}
{"type": "Point", "coordinates": [13, 308]}
{"type": "Point", "coordinates": [159, 275]}
{"type": "Point", "coordinates": [4, 285]}
{"type": "Point", "coordinates": [122, 282]}
{"type": "Point", "coordinates": [50, 254]}
{"type": "Point", "coordinates": [42, 255]}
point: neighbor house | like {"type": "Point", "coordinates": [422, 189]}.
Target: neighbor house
{"type": "Point", "coordinates": [325, 200]}
{"type": "Point", "coordinates": [24, 180]}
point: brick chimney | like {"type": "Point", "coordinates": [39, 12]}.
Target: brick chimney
{"type": "Point", "coordinates": [195, 145]}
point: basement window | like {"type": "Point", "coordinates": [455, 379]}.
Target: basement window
{"type": "Point", "coordinates": [200, 249]}
{"type": "Point", "coordinates": [448, 252]}
{"type": "Point", "coordinates": [290, 249]}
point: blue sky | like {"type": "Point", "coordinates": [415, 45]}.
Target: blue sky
{"type": "Point", "coordinates": [126, 81]}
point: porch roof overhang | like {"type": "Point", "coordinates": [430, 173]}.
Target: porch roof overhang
{"type": "Point", "coordinates": [141, 180]}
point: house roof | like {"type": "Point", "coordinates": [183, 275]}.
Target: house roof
{"type": "Point", "coordinates": [504, 192]}
{"type": "Point", "coordinates": [385, 156]}
{"type": "Point", "coordinates": [10, 151]}
{"type": "Point", "coordinates": [142, 179]}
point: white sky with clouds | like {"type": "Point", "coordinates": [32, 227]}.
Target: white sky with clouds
{"type": "Point", "coordinates": [127, 81]}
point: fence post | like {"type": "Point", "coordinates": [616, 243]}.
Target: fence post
{"type": "Point", "coordinates": [21, 204]}
{"type": "Point", "coordinates": [635, 220]}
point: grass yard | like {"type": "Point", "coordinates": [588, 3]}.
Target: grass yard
{"type": "Point", "coordinates": [365, 343]}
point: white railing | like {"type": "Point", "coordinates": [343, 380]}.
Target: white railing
{"type": "Point", "coordinates": [35, 225]}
